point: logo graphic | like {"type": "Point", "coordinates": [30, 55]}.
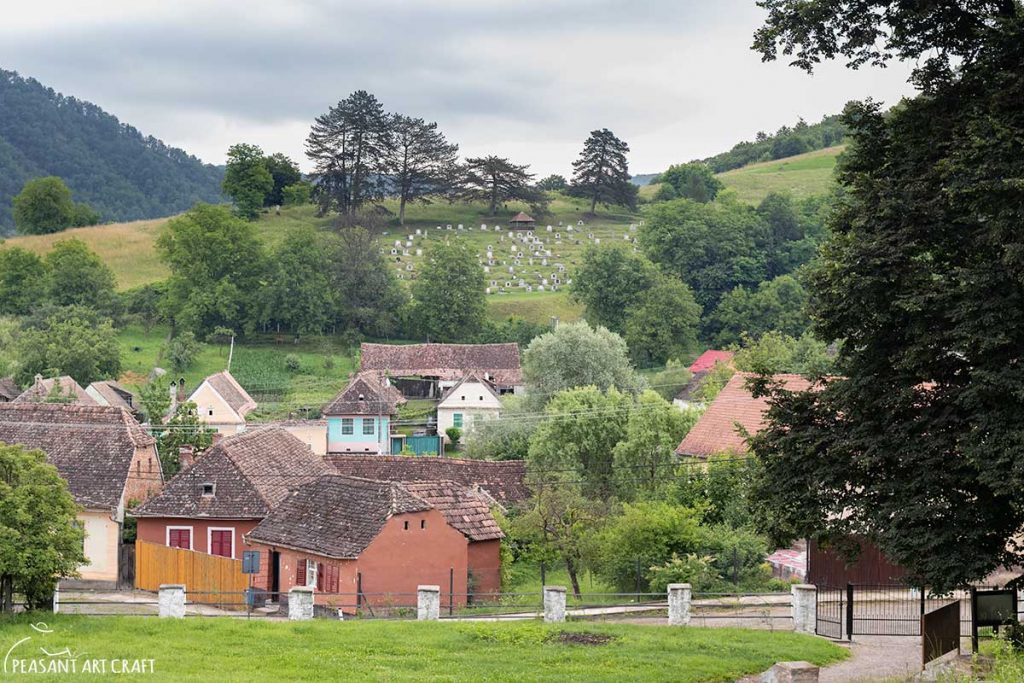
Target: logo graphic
{"type": "Point", "coordinates": [33, 655]}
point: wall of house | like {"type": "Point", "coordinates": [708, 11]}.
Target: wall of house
{"type": "Point", "coordinates": [484, 562]}
{"type": "Point", "coordinates": [102, 540]}
{"type": "Point", "coordinates": [470, 415]}
{"type": "Point", "coordinates": [223, 418]}
{"type": "Point", "coordinates": [154, 530]}
{"type": "Point", "coordinates": [313, 434]}
{"type": "Point", "coordinates": [144, 477]}
{"type": "Point", "coordinates": [377, 443]}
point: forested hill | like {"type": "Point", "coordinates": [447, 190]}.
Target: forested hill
{"type": "Point", "coordinates": [110, 165]}
{"type": "Point", "coordinates": [788, 141]}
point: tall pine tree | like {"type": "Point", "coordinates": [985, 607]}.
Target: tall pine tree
{"type": "Point", "coordinates": [601, 174]}
{"type": "Point", "coordinates": [422, 161]}
{"type": "Point", "coordinates": [497, 180]}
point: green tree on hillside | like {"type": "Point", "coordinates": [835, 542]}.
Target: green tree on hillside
{"type": "Point", "coordinates": [77, 276]}
{"type": "Point", "coordinates": [577, 355]}
{"type": "Point", "coordinates": [553, 183]}
{"type": "Point", "coordinates": [70, 341]}
{"type": "Point", "coordinates": [22, 281]}
{"type": "Point", "coordinates": [216, 262]}
{"type": "Point", "coordinates": [496, 180]}
{"type": "Point", "coordinates": [44, 205]}
{"type": "Point", "coordinates": [247, 180]}
{"type": "Point", "coordinates": [369, 298]}
{"type": "Point", "coordinates": [296, 194]}
{"type": "Point", "coordinates": [663, 323]}
{"type": "Point", "coordinates": [298, 293]}
{"type": "Point", "coordinates": [610, 281]}
{"type": "Point", "coordinates": [690, 181]}
{"type": "Point", "coordinates": [775, 352]}
{"type": "Point", "coordinates": [775, 305]}
{"type": "Point", "coordinates": [449, 295]}
{"type": "Point", "coordinates": [422, 161]}
{"type": "Point", "coordinates": [42, 541]}
{"type": "Point", "coordinates": [601, 174]}
{"type": "Point", "coordinates": [643, 461]}
{"type": "Point", "coordinates": [916, 442]}
{"type": "Point", "coordinates": [285, 173]}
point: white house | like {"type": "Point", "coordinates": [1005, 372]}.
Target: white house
{"type": "Point", "coordinates": [471, 399]}
{"type": "Point", "coordinates": [222, 403]}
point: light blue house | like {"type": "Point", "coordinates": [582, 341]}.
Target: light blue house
{"type": "Point", "coordinates": [359, 418]}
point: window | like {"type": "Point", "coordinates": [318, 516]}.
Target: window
{"type": "Point", "coordinates": [222, 542]}
{"type": "Point", "coordinates": [346, 425]}
{"type": "Point", "coordinates": [457, 420]}
{"type": "Point", "coordinates": [209, 488]}
{"type": "Point", "coordinates": [406, 526]}
{"type": "Point", "coordinates": [311, 573]}
{"type": "Point", "coordinates": [367, 425]}
{"type": "Point", "coordinates": [210, 412]}
{"type": "Point", "coordinates": [423, 524]}
{"type": "Point", "coordinates": [179, 537]}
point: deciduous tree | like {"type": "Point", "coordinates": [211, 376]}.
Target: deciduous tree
{"type": "Point", "coordinates": [663, 323]}
{"type": "Point", "coordinates": [577, 355]}
{"type": "Point", "coordinates": [77, 276]}
{"type": "Point", "coordinates": [449, 295]}
{"type": "Point", "coordinates": [284, 173]}
{"type": "Point", "coordinates": [71, 341]}
{"type": "Point", "coordinates": [247, 180]}
{"type": "Point", "coordinates": [609, 282]}
{"type": "Point", "coordinates": [22, 281]}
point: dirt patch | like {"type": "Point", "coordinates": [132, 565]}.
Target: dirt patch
{"type": "Point", "coordinates": [570, 638]}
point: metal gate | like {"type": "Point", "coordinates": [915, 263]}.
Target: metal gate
{"type": "Point", "coordinates": [830, 612]}
{"type": "Point", "coordinates": [881, 610]}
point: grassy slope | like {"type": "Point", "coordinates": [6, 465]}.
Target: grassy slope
{"type": "Point", "coordinates": [230, 649]}
{"type": "Point", "coordinates": [804, 175]}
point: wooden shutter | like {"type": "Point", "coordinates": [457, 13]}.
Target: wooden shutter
{"type": "Point", "coordinates": [320, 576]}
{"type": "Point", "coordinates": [300, 572]}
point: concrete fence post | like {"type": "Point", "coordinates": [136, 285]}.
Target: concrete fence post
{"type": "Point", "coordinates": [805, 608]}
{"type": "Point", "coordinates": [428, 603]}
{"type": "Point", "coordinates": [56, 598]}
{"type": "Point", "coordinates": [171, 600]}
{"type": "Point", "coordinates": [300, 603]}
{"type": "Point", "coordinates": [554, 604]}
{"type": "Point", "coordinates": [679, 596]}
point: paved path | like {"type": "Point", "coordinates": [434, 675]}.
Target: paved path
{"type": "Point", "coordinates": [876, 658]}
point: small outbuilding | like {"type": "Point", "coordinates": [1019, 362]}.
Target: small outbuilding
{"type": "Point", "coordinates": [522, 221]}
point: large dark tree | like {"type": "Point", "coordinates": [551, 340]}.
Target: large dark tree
{"type": "Point", "coordinates": [349, 146]}
{"type": "Point", "coordinates": [496, 180]}
{"type": "Point", "coordinates": [601, 174]}
{"type": "Point", "coordinates": [917, 443]}
{"type": "Point", "coordinates": [369, 298]}
{"type": "Point", "coordinates": [422, 161]}
{"type": "Point", "coordinates": [247, 180]}
{"type": "Point", "coordinates": [284, 173]}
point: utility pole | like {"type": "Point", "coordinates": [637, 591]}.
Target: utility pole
{"type": "Point", "coordinates": [231, 352]}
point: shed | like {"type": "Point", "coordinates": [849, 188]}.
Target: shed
{"type": "Point", "coordinates": [522, 221]}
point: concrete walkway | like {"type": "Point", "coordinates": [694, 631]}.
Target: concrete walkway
{"type": "Point", "coordinates": [876, 658]}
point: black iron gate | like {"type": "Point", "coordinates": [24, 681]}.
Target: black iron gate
{"type": "Point", "coordinates": [881, 610]}
{"type": "Point", "coordinates": [830, 612]}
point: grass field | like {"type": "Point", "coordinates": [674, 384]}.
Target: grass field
{"type": "Point", "coordinates": [237, 650]}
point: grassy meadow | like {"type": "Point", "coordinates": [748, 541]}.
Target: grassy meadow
{"type": "Point", "coordinates": [239, 650]}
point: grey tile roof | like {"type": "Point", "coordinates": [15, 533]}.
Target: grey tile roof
{"type": "Point", "coordinates": [469, 377]}
{"type": "Point", "coordinates": [251, 473]}
{"type": "Point", "coordinates": [366, 394]}
{"type": "Point", "coordinates": [114, 394]}
{"type": "Point", "coordinates": [335, 516]}
{"type": "Point", "coordinates": [71, 391]}
{"type": "Point", "coordinates": [91, 446]}
{"type": "Point", "coordinates": [445, 361]}
{"type": "Point", "coordinates": [503, 480]}
{"type": "Point", "coordinates": [464, 509]}
{"type": "Point", "coordinates": [9, 389]}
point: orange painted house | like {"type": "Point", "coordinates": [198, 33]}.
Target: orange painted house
{"type": "Point", "coordinates": [367, 542]}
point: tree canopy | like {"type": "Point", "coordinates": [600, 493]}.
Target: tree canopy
{"type": "Point", "coordinates": [578, 355]}
{"type": "Point", "coordinates": [689, 181]}
{"type": "Point", "coordinates": [247, 180]}
{"type": "Point", "coordinates": [423, 162]}
{"type": "Point", "coordinates": [69, 341]}
{"type": "Point", "coordinates": [449, 293]}
{"type": "Point", "coordinates": [44, 205]}
{"type": "Point", "coordinates": [496, 180]}
{"type": "Point", "coordinates": [601, 174]}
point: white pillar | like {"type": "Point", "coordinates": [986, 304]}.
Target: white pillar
{"type": "Point", "coordinates": [56, 598]}
{"type": "Point", "coordinates": [805, 607]}
{"type": "Point", "coordinates": [679, 595]}
{"type": "Point", "coordinates": [300, 603]}
{"type": "Point", "coordinates": [554, 604]}
{"type": "Point", "coordinates": [428, 603]}
{"type": "Point", "coordinates": [171, 600]}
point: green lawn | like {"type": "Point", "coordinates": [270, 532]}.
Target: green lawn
{"type": "Point", "coordinates": [237, 650]}
{"type": "Point", "coordinates": [802, 176]}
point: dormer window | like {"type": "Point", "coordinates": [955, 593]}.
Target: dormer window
{"type": "Point", "coordinates": [208, 488]}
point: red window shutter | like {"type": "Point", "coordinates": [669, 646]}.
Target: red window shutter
{"type": "Point", "coordinates": [320, 576]}
{"type": "Point", "coordinates": [334, 581]}
{"type": "Point", "coordinates": [300, 573]}
{"type": "Point", "coordinates": [220, 543]}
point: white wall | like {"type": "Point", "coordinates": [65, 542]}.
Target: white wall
{"type": "Point", "coordinates": [102, 538]}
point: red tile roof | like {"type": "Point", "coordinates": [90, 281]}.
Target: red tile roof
{"type": "Point", "coordinates": [464, 510]}
{"type": "Point", "coordinates": [718, 429]}
{"type": "Point", "coordinates": [444, 361]}
{"type": "Point", "coordinates": [522, 217]}
{"type": "Point", "coordinates": [707, 360]}
{"type": "Point", "coordinates": [232, 392]}
{"type": "Point", "coordinates": [368, 393]}
{"type": "Point", "coordinates": [70, 390]}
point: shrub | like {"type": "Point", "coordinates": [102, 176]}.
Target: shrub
{"type": "Point", "coordinates": [292, 362]}
{"type": "Point", "coordinates": [691, 568]}
{"type": "Point", "coordinates": [454, 435]}
{"type": "Point", "coordinates": [182, 351]}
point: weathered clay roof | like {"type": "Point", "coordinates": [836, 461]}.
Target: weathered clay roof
{"type": "Point", "coordinates": [718, 429]}
{"type": "Point", "coordinates": [113, 394]}
{"type": "Point", "coordinates": [232, 392]}
{"type": "Point", "coordinates": [502, 480]}
{"type": "Point", "coordinates": [335, 516]}
{"type": "Point", "coordinates": [368, 393]}
{"type": "Point", "coordinates": [71, 391]}
{"type": "Point", "coordinates": [687, 392]}
{"type": "Point", "coordinates": [465, 510]}
{"type": "Point", "coordinates": [251, 473]}
{"type": "Point", "coordinates": [9, 389]}
{"type": "Point", "coordinates": [445, 361]}
{"type": "Point", "coordinates": [470, 377]}
{"type": "Point", "coordinates": [91, 446]}
{"type": "Point", "coordinates": [522, 217]}
{"type": "Point", "coordinates": [707, 360]}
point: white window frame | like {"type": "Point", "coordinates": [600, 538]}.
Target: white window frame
{"type": "Point", "coordinates": [351, 426]}
{"type": "Point", "coordinates": [209, 539]}
{"type": "Point", "coordinates": [311, 573]}
{"type": "Point", "coordinates": [373, 426]}
{"type": "Point", "coordinates": [191, 536]}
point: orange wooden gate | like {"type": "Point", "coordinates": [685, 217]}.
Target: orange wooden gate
{"type": "Point", "coordinates": [207, 578]}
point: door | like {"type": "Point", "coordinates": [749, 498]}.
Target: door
{"type": "Point", "coordinates": [275, 573]}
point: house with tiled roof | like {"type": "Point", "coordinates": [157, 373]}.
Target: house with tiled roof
{"type": "Point", "coordinates": [9, 389]}
{"type": "Point", "coordinates": [222, 403]}
{"type": "Point", "coordinates": [105, 456]}
{"type": "Point", "coordinates": [699, 370]}
{"type": "Point", "coordinates": [359, 417]}
{"type": "Point", "coordinates": [707, 360]}
{"type": "Point", "coordinates": [733, 413]}
{"type": "Point", "coordinates": [63, 389]}
{"type": "Point", "coordinates": [470, 400]}
{"type": "Point", "coordinates": [213, 502]}
{"type": "Point", "coordinates": [344, 534]}
{"type": "Point", "coordinates": [446, 364]}
{"type": "Point", "coordinates": [500, 482]}
{"type": "Point", "coordinates": [110, 393]}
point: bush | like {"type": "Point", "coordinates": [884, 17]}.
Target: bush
{"type": "Point", "coordinates": [691, 568]}
{"type": "Point", "coordinates": [454, 434]}
{"type": "Point", "coordinates": [292, 363]}
{"type": "Point", "coordinates": [182, 351]}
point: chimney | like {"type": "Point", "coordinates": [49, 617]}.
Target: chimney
{"type": "Point", "coordinates": [174, 399]}
{"type": "Point", "coordinates": [181, 390]}
{"type": "Point", "coordinates": [186, 455]}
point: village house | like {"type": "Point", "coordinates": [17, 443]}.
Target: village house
{"type": "Point", "coordinates": [341, 534]}
{"type": "Point", "coordinates": [470, 400]}
{"type": "Point", "coordinates": [109, 393]}
{"type": "Point", "coordinates": [359, 417]}
{"type": "Point", "coordinates": [432, 368]}
{"type": "Point", "coordinates": [222, 403]}
{"type": "Point", "coordinates": [107, 459]}
{"type": "Point", "coordinates": [313, 433]}
{"type": "Point", "coordinates": [221, 496]}
{"type": "Point", "coordinates": [9, 389]}
{"type": "Point", "coordinates": [699, 369]}
{"type": "Point", "coordinates": [62, 389]}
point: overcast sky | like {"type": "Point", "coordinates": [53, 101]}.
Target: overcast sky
{"type": "Point", "coordinates": [527, 79]}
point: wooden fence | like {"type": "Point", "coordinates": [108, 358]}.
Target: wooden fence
{"type": "Point", "coordinates": [207, 578]}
